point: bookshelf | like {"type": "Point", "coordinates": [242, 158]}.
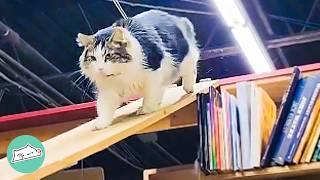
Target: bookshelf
{"type": "Point", "coordinates": [187, 172]}
{"type": "Point", "coordinates": [179, 112]}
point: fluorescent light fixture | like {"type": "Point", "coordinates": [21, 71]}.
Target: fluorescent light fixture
{"type": "Point", "coordinates": [237, 20]}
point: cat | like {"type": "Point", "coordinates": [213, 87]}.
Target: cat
{"type": "Point", "coordinates": [138, 56]}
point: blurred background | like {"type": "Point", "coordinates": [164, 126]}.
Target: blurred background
{"type": "Point", "coordinates": [39, 61]}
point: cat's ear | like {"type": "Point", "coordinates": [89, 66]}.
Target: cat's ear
{"type": "Point", "coordinates": [118, 37]}
{"type": "Point", "coordinates": [85, 40]}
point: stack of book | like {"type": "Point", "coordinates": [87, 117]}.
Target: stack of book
{"type": "Point", "coordinates": [249, 131]}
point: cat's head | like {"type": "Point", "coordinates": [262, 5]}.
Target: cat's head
{"type": "Point", "coordinates": [109, 53]}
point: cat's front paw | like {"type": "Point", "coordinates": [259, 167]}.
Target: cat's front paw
{"type": "Point", "coordinates": [188, 89]}
{"type": "Point", "coordinates": [147, 109]}
{"type": "Point", "coordinates": [99, 123]}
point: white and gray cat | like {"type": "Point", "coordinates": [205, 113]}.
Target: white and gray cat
{"type": "Point", "coordinates": [138, 56]}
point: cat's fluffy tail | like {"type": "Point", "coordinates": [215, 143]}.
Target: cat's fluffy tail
{"type": "Point", "coordinates": [188, 29]}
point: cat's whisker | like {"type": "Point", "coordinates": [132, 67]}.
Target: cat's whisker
{"type": "Point", "coordinates": [74, 73]}
{"type": "Point", "coordinates": [79, 78]}
{"type": "Point", "coordinates": [81, 81]}
{"type": "Point", "coordinates": [86, 90]}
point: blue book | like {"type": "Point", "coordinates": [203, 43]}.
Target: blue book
{"type": "Point", "coordinates": [303, 121]}
{"type": "Point", "coordinates": [281, 119]}
{"type": "Point", "coordinates": [295, 118]}
{"type": "Point", "coordinates": [279, 154]}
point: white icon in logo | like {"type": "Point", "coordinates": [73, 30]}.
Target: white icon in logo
{"type": "Point", "coordinates": [25, 153]}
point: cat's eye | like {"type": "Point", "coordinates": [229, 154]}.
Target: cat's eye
{"type": "Point", "coordinates": [107, 57]}
{"type": "Point", "coordinates": [90, 58]}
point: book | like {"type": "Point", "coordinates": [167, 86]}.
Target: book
{"type": "Point", "coordinates": [309, 149]}
{"type": "Point", "coordinates": [283, 143]}
{"type": "Point", "coordinates": [200, 158]}
{"type": "Point", "coordinates": [205, 100]}
{"type": "Point", "coordinates": [267, 112]}
{"type": "Point", "coordinates": [281, 119]}
{"type": "Point", "coordinates": [243, 97]}
{"type": "Point", "coordinates": [226, 131]}
{"type": "Point", "coordinates": [302, 116]}
{"type": "Point", "coordinates": [235, 135]}
{"type": "Point", "coordinates": [221, 134]}
{"type": "Point", "coordinates": [255, 133]}
{"type": "Point", "coordinates": [211, 127]}
{"type": "Point", "coordinates": [316, 153]}
{"type": "Point", "coordinates": [217, 129]}
{"type": "Point", "coordinates": [308, 130]}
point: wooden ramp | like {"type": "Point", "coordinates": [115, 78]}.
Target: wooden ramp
{"type": "Point", "coordinates": [68, 148]}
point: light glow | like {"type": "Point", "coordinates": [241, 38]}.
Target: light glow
{"type": "Point", "coordinates": [236, 18]}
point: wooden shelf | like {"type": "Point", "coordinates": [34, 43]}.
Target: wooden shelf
{"type": "Point", "coordinates": [275, 86]}
{"type": "Point", "coordinates": [188, 172]}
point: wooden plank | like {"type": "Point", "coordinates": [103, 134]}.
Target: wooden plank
{"type": "Point", "coordinates": [76, 144]}
{"type": "Point", "coordinates": [185, 117]}
{"type": "Point", "coordinates": [42, 132]}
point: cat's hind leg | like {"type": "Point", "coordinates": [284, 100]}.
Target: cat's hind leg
{"type": "Point", "coordinates": [188, 70]}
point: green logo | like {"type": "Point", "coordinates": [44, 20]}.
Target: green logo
{"type": "Point", "coordinates": [25, 154]}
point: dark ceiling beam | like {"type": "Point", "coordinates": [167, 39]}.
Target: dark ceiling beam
{"type": "Point", "coordinates": [302, 38]}
{"type": "Point", "coordinates": [63, 77]}
{"type": "Point", "coordinates": [172, 9]}
{"type": "Point", "coordinates": [311, 13]}
{"type": "Point", "coordinates": [13, 38]}
{"type": "Point", "coordinates": [269, 31]}
{"type": "Point", "coordinates": [9, 60]}
{"type": "Point", "coordinates": [24, 82]}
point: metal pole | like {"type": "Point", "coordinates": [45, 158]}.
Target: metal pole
{"type": "Point", "coordinates": [296, 39]}
{"type": "Point", "coordinates": [13, 38]}
{"type": "Point", "coordinates": [269, 30]}
{"type": "Point", "coordinates": [37, 79]}
{"type": "Point", "coordinates": [43, 96]}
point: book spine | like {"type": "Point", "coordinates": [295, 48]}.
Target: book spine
{"type": "Point", "coordinates": [217, 130]}
{"type": "Point", "coordinates": [301, 125]}
{"type": "Point", "coordinates": [279, 123]}
{"type": "Point", "coordinates": [209, 138]}
{"type": "Point", "coordinates": [316, 152]}
{"type": "Point", "coordinates": [205, 130]}
{"type": "Point", "coordinates": [283, 148]}
{"type": "Point", "coordinates": [211, 108]}
{"type": "Point", "coordinates": [200, 151]}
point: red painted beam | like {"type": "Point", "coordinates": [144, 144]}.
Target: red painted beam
{"type": "Point", "coordinates": [48, 116]}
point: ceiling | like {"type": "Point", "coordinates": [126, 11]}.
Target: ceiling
{"type": "Point", "coordinates": [45, 73]}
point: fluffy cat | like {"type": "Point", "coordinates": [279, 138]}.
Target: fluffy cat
{"type": "Point", "coordinates": [138, 56]}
